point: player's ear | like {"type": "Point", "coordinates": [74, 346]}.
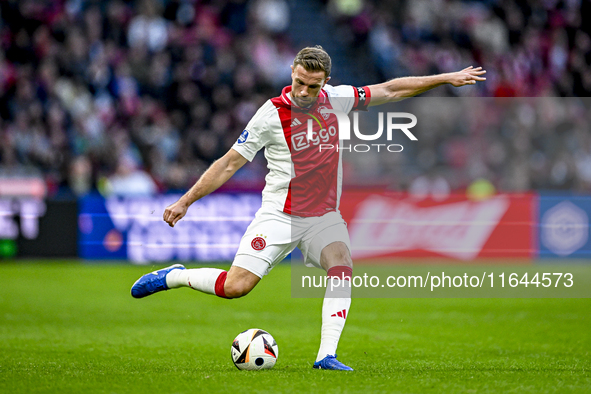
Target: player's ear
{"type": "Point", "coordinates": [325, 81]}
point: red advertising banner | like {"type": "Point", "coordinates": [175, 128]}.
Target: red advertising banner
{"type": "Point", "coordinates": [385, 224]}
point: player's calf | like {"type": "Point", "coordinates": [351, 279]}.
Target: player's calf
{"type": "Point", "coordinates": [236, 290]}
{"type": "Point", "coordinates": [239, 282]}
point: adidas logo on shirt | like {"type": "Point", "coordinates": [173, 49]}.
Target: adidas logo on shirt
{"type": "Point", "coordinates": [295, 122]}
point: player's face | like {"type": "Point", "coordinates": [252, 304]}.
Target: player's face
{"type": "Point", "coordinates": [306, 85]}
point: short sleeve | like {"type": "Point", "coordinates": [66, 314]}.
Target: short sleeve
{"type": "Point", "coordinates": [348, 98]}
{"type": "Point", "coordinates": [255, 136]}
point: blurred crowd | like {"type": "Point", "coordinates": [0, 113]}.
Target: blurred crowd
{"type": "Point", "coordinates": [529, 47]}
{"type": "Point", "coordinates": [141, 96]}
{"type": "Point", "coordinates": [132, 97]}
{"type": "Point", "coordinates": [507, 144]}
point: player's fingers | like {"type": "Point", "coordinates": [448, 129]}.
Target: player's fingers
{"type": "Point", "coordinates": [178, 217]}
{"type": "Point", "coordinates": [171, 217]}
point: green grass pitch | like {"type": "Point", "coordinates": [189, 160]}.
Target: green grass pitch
{"type": "Point", "coordinates": [73, 328]}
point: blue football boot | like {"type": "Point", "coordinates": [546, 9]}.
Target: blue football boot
{"type": "Point", "coordinates": [153, 282]}
{"type": "Point", "coordinates": [331, 362]}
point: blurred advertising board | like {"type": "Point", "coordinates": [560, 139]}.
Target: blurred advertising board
{"type": "Point", "coordinates": [33, 227]}
{"type": "Point", "coordinates": [381, 225]}
{"type": "Point", "coordinates": [384, 224]}
{"type": "Point", "coordinates": [132, 228]}
{"type": "Point", "coordinates": [564, 226]}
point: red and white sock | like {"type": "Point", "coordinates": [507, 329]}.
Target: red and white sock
{"type": "Point", "coordinates": [206, 280]}
{"type": "Point", "coordinates": [335, 309]}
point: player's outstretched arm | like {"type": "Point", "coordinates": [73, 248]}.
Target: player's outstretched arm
{"type": "Point", "coordinates": [401, 88]}
{"type": "Point", "coordinates": [215, 176]}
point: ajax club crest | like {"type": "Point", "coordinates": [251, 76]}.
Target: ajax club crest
{"type": "Point", "coordinates": [258, 242]}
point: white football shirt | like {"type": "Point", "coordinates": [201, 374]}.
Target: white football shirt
{"type": "Point", "coordinates": [305, 175]}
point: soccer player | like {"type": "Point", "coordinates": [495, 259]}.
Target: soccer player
{"type": "Point", "coordinates": [301, 197]}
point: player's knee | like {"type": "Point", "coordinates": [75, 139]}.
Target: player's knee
{"type": "Point", "coordinates": [344, 257]}
{"type": "Point", "coordinates": [336, 254]}
{"type": "Point", "coordinates": [348, 261]}
{"type": "Point", "coordinates": [236, 289]}
{"type": "Point", "coordinates": [345, 260]}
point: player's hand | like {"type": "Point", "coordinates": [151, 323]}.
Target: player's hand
{"type": "Point", "coordinates": [467, 76]}
{"type": "Point", "coordinates": [175, 212]}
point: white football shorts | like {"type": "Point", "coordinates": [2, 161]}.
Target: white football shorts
{"type": "Point", "coordinates": [273, 235]}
